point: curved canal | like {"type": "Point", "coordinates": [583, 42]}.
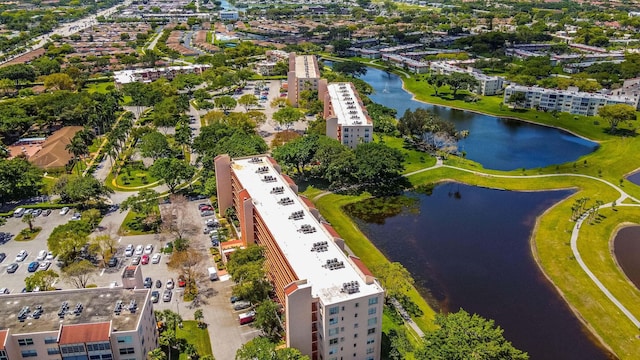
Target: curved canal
{"type": "Point", "coordinates": [468, 247]}
{"type": "Point", "coordinates": [496, 143]}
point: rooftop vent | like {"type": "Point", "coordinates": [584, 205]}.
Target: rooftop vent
{"type": "Point", "coordinates": [255, 160]}
{"type": "Point", "coordinates": [36, 314]}
{"type": "Point", "coordinates": [24, 312]}
{"type": "Point", "coordinates": [307, 229]}
{"type": "Point", "coordinates": [277, 190]}
{"type": "Point", "coordinates": [262, 170]}
{"type": "Point", "coordinates": [297, 215]}
{"type": "Point", "coordinates": [78, 309]}
{"type": "Point", "coordinates": [63, 309]}
{"type": "Point", "coordinates": [133, 306]}
{"type": "Point", "coordinates": [334, 264]}
{"type": "Point", "coordinates": [350, 287]}
{"type": "Point", "coordinates": [118, 308]}
{"type": "Point", "coordinates": [269, 178]}
{"type": "Point", "coordinates": [320, 246]}
{"type": "Point", "coordinates": [285, 201]}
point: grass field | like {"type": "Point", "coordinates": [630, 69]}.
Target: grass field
{"type": "Point", "coordinates": [196, 336]}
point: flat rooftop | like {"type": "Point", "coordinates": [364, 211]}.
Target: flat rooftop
{"type": "Point", "coordinates": [346, 105]}
{"type": "Point", "coordinates": [97, 306]}
{"type": "Point", "coordinates": [294, 241]}
{"type": "Point", "coordinates": [307, 67]}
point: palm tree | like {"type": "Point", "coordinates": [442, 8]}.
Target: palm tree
{"type": "Point", "coordinates": [199, 316]}
{"type": "Point", "coordinates": [28, 219]}
{"type": "Point", "coordinates": [77, 147]}
{"type": "Point", "coordinates": [156, 354]}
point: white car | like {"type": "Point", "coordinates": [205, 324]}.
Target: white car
{"type": "Point", "coordinates": [22, 255]}
{"type": "Point", "coordinates": [170, 284]}
{"type": "Point", "coordinates": [42, 254]}
{"type": "Point", "coordinates": [155, 259]}
{"type": "Point", "coordinates": [139, 250]}
{"type": "Point", "coordinates": [49, 256]}
{"type": "Point", "coordinates": [148, 249]}
{"type": "Point", "coordinates": [135, 260]}
{"type": "Point", "coordinates": [64, 210]}
{"type": "Point", "coordinates": [44, 265]}
{"type": "Point", "coordinates": [128, 251]}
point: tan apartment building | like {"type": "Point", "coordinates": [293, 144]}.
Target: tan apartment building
{"type": "Point", "coordinates": [346, 116]}
{"type": "Point", "coordinates": [98, 323]}
{"type": "Point", "coordinates": [304, 74]}
{"type": "Point", "coordinates": [332, 303]}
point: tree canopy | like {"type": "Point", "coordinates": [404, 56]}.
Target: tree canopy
{"type": "Point", "coordinates": [18, 179]}
{"type": "Point", "coordinates": [617, 113]}
{"type": "Point", "coordinates": [172, 171]}
{"type": "Point", "coordinates": [263, 349]}
{"type": "Point", "coordinates": [80, 189]}
{"type": "Point", "coordinates": [463, 336]}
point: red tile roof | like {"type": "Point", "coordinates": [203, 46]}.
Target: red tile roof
{"type": "Point", "coordinates": [361, 266]}
{"type": "Point", "coordinates": [331, 230]}
{"type": "Point", "coordinates": [3, 338]}
{"type": "Point", "coordinates": [307, 202]}
{"type": "Point", "coordinates": [85, 333]}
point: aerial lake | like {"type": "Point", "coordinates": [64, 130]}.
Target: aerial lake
{"type": "Point", "coordinates": [468, 247]}
{"type": "Point", "coordinates": [496, 143]}
{"type": "Point", "coordinates": [626, 248]}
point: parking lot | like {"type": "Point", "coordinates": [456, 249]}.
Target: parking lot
{"type": "Point", "coordinates": [225, 332]}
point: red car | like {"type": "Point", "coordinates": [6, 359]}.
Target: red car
{"type": "Point", "coordinates": [145, 259]}
{"type": "Point", "coordinates": [182, 282]}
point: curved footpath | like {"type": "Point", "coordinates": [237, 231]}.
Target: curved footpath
{"type": "Point", "coordinates": [576, 228]}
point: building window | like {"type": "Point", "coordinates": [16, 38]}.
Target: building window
{"type": "Point", "coordinates": [98, 347]}
{"type": "Point", "coordinates": [355, 326]}
{"type": "Point", "coordinates": [372, 321]}
{"type": "Point", "coordinates": [372, 311]}
{"type": "Point", "coordinates": [124, 339]}
{"type": "Point", "coordinates": [333, 351]}
{"type": "Point", "coordinates": [333, 331]}
{"type": "Point", "coordinates": [3, 355]}
{"type": "Point", "coordinates": [124, 351]}
{"type": "Point", "coordinates": [53, 351]}
{"type": "Point", "coordinates": [23, 342]}
{"type": "Point", "coordinates": [334, 310]}
{"type": "Point", "coordinates": [371, 331]}
{"type": "Point", "coordinates": [50, 340]}
{"type": "Point", "coordinates": [333, 341]}
{"type": "Point", "coordinates": [370, 350]}
{"type": "Point", "coordinates": [357, 304]}
{"type": "Point", "coordinates": [370, 341]}
{"type": "Point", "coordinates": [70, 349]}
{"type": "Point", "coordinates": [29, 353]}
{"type": "Point", "coordinates": [333, 320]}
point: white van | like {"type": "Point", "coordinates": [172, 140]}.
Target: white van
{"type": "Point", "coordinates": [18, 212]}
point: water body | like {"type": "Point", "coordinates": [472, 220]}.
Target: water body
{"type": "Point", "coordinates": [496, 143]}
{"type": "Point", "coordinates": [468, 247]}
{"type": "Point", "coordinates": [634, 178]}
{"type": "Point", "coordinates": [626, 248]}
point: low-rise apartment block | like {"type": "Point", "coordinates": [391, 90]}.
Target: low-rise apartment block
{"type": "Point", "coordinates": [304, 74]}
{"type": "Point", "coordinates": [487, 85]}
{"type": "Point", "coordinates": [332, 303]}
{"type": "Point", "coordinates": [151, 74]}
{"type": "Point", "coordinates": [346, 116]}
{"type": "Point", "coordinates": [571, 100]}
{"type": "Point", "coordinates": [99, 323]}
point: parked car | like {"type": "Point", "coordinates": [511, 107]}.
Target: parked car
{"type": "Point", "coordinates": [139, 250]}
{"type": "Point", "coordinates": [12, 268]}
{"type": "Point", "coordinates": [241, 305]}
{"type": "Point", "coordinates": [135, 260]}
{"type": "Point", "coordinates": [155, 259]}
{"type": "Point", "coordinates": [41, 255]}
{"type": "Point", "coordinates": [4, 291]}
{"type": "Point", "coordinates": [182, 282]}
{"type": "Point", "coordinates": [64, 210]}
{"type": "Point", "coordinates": [76, 216]}
{"type": "Point", "coordinates": [46, 212]}
{"type": "Point", "coordinates": [148, 283]}
{"type": "Point", "coordinates": [37, 212]}
{"type": "Point", "coordinates": [158, 284]}
{"type": "Point", "coordinates": [18, 212]}
{"type": "Point", "coordinates": [44, 265]}
{"type": "Point", "coordinates": [145, 259]}
{"type": "Point", "coordinates": [200, 206]}
{"type": "Point", "coordinates": [233, 299]}
{"type": "Point", "coordinates": [155, 296]}
{"type": "Point", "coordinates": [33, 266]}
{"type": "Point", "coordinates": [27, 212]}
{"type": "Point", "coordinates": [170, 284]}
{"type": "Point", "coordinates": [167, 296]}
{"type": "Point", "coordinates": [113, 262]}
{"type": "Point", "coordinates": [148, 249]}
{"type": "Point", "coordinates": [129, 250]}
{"type": "Point", "coordinates": [2, 257]}
{"type": "Point", "coordinates": [49, 256]}
{"type": "Point", "coordinates": [21, 255]}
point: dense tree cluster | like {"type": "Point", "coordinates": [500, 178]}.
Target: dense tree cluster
{"type": "Point", "coordinates": [18, 179]}
{"type": "Point", "coordinates": [220, 138]}
{"type": "Point", "coordinates": [429, 132]}
{"type": "Point", "coordinates": [246, 268]}
{"type": "Point", "coordinates": [372, 167]}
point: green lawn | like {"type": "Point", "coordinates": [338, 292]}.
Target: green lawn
{"type": "Point", "coordinates": [26, 235]}
{"type": "Point", "coordinates": [133, 177]}
{"type": "Point", "coordinates": [196, 336]}
{"type": "Point", "coordinates": [128, 224]}
{"type": "Point", "coordinates": [414, 160]}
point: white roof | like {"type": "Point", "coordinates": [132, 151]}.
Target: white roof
{"type": "Point", "coordinates": [346, 106]}
{"type": "Point", "coordinates": [306, 67]}
{"type": "Point", "coordinates": [296, 245]}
